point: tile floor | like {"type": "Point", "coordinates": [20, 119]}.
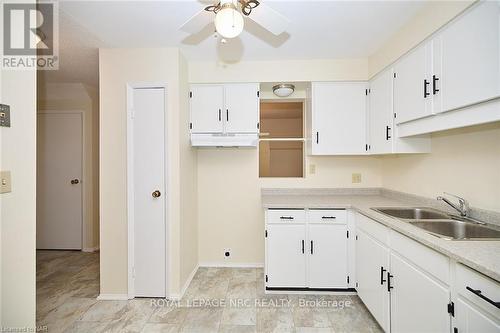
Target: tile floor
{"type": "Point", "coordinates": [217, 300]}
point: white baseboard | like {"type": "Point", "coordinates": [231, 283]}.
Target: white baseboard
{"type": "Point", "coordinates": [90, 249]}
{"type": "Point", "coordinates": [232, 265]}
{"type": "Point", "coordinates": [112, 297]}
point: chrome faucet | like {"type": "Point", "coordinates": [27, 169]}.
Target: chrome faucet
{"type": "Point", "coordinates": [463, 205]}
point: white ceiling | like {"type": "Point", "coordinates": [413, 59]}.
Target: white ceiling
{"type": "Point", "coordinates": [318, 30]}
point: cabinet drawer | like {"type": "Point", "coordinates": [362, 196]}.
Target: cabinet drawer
{"type": "Point", "coordinates": [490, 289]}
{"type": "Point", "coordinates": [373, 228]}
{"type": "Point", "coordinates": [429, 260]}
{"type": "Point", "coordinates": [338, 216]}
{"type": "Point", "coordinates": [286, 216]}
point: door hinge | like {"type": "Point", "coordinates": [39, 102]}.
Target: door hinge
{"type": "Point", "coordinates": [347, 279]}
{"type": "Point", "coordinates": [190, 94]}
{"type": "Point", "coordinates": [267, 278]}
{"type": "Point", "coordinates": [347, 233]}
{"type": "Point", "coordinates": [190, 125]}
{"type": "Point", "coordinates": [258, 93]}
{"type": "Point", "coordinates": [266, 233]}
{"type": "Point", "coordinates": [451, 309]}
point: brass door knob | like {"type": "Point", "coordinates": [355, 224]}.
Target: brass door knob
{"type": "Point", "coordinates": [75, 181]}
{"type": "Point", "coordinates": [156, 194]}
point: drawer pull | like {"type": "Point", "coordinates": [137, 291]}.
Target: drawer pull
{"type": "Point", "coordinates": [286, 217]}
{"type": "Point", "coordinates": [478, 293]}
{"type": "Point", "coordinates": [389, 276]}
{"type": "Point", "coordinates": [328, 217]}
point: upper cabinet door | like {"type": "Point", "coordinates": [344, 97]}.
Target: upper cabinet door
{"type": "Point", "coordinates": [380, 113]}
{"type": "Point", "coordinates": [207, 103]}
{"type": "Point", "coordinates": [466, 58]}
{"type": "Point", "coordinates": [241, 113]}
{"type": "Point", "coordinates": [339, 118]}
{"type": "Point", "coordinates": [412, 85]}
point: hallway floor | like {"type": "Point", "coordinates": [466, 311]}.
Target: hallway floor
{"type": "Point", "coordinates": [217, 300]}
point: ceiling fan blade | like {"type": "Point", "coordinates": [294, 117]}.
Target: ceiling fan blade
{"type": "Point", "coordinates": [197, 22]}
{"type": "Point", "coordinates": [269, 19]}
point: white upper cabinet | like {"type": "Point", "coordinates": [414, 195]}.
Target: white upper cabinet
{"type": "Point", "coordinates": [338, 118]}
{"type": "Point", "coordinates": [225, 108]}
{"type": "Point", "coordinates": [466, 59]}
{"type": "Point", "coordinates": [242, 108]}
{"type": "Point", "coordinates": [412, 86]}
{"type": "Point", "coordinates": [207, 102]}
{"type": "Point", "coordinates": [380, 113]}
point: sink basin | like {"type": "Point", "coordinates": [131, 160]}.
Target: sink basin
{"type": "Point", "coordinates": [457, 230]}
{"type": "Point", "coordinates": [414, 213]}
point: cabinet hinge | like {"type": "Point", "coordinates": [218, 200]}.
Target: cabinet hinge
{"type": "Point", "coordinates": [266, 233]}
{"type": "Point", "coordinates": [190, 125]}
{"type": "Point", "coordinates": [366, 92]}
{"type": "Point", "coordinates": [347, 279]}
{"type": "Point", "coordinates": [347, 233]}
{"type": "Point", "coordinates": [451, 309]}
{"type": "Point", "coordinates": [267, 278]}
{"type": "Point", "coordinates": [258, 93]}
{"type": "Point", "coordinates": [190, 94]}
{"type": "Point", "coordinates": [356, 237]}
{"type": "Point", "coordinates": [395, 115]}
{"type": "Point", "coordinates": [369, 90]}
{"type": "Point", "coordinates": [394, 75]}
{"type": "Point", "coordinates": [258, 125]}
{"type": "Point", "coordinates": [357, 284]}
{"type": "Point", "coordinates": [366, 147]}
{"type": "Point", "coordinates": [455, 329]}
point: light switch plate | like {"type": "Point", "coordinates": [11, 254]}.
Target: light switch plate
{"type": "Point", "coordinates": [5, 182]}
{"type": "Point", "coordinates": [312, 169]}
{"type": "Point", "coordinates": [4, 115]}
{"type": "Point", "coordinates": [356, 178]}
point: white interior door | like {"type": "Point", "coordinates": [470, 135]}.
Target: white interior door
{"type": "Point", "coordinates": [327, 255]}
{"type": "Point", "coordinates": [59, 181]}
{"type": "Point", "coordinates": [149, 192]}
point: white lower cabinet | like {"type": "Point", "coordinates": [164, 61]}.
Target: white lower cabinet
{"type": "Point", "coordinates": [471, 319]}
{"type": "Point", "coordinates": [418, 301]}
{"type": "Point", "coordinates": [306, 250]}
{"type": "Point", "coordinates": [372, 262]}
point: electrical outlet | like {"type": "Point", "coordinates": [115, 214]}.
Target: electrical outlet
{"type": "Point", "coordinates": [227, 253]}
{"type": "Point", "coordinates": [5, 182]}
{"type": "Point", "coordinates": [356, 178]}
{"type": "Point", "coordinates": [312, 169]}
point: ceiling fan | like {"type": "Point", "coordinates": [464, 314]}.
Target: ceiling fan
{"type": "Point", "coordinates": [228, 17]}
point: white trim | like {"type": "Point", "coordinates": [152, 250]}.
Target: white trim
{"type": "Point", "coordinates": [112, 297]}
{"type": "Point", "coordinates": [83, 181]}
{"type": "Point", "coordinates": [177, 297]}
{"type": "Point", "coordinates": [90, 249]}
{"type": "Point", "coordinates": [130, 185]}
{"type": "Point", "coordinates": [231, 265]}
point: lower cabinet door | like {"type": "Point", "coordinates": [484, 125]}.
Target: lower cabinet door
{"type": "Point", "coordinates": [372, 263]}
{"type": "Point", "coordinates": [470, 319]}
{"type": "Point", "coordinates": [418, 302]}
{"type": "Point", "coordinates": [327, 255]}
{"type": "Point", "coordinates": [286, 255]}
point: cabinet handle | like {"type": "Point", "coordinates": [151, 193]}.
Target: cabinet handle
{"type": "Point", "coordinates": [434, 84]}
{"type": "Point", "coordinates": [220, 115]}
{"type": "Point", "coordinates": [317, 137]}
{"type": "Point", "coordinates": [382, 271]}
{"type": "Point", "coordinates": [303, 246]}
{"type": "Point", "coordinates": [387, 129]}
{"type": "Point", "coordinates": [389, 287]}
{"type": "Point", "coordinates": [286, 217]}
{"type": "Point", "coordinates": [328, 217]}
{"type": "Point", "coordinates": [312, 247]}
{"type": "Point", "coordinates": [478, 293]}
{"type": "Point", "coordinates": [426, 83]}
{"type": "Point", "coordinates": [227, 114]}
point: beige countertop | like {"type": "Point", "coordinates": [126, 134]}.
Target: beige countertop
{"type": "Point", "coordinates": [483, 256]}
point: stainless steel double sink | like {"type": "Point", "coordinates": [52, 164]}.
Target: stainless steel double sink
{"type": "Point", "coordinates": [443, 225]}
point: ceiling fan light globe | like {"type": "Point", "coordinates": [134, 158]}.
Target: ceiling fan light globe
{"type": "Point", "coordinates": [229, 22]}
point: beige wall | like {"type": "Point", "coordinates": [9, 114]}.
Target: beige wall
{"type": "Point", "coordinates": [117, 68]}
{"type": "Point", "coordinates": [18, 208]}
{"type": "Point", "coordinates": [465, 162]}
{"type": "Point", "coordinates": [432, 17]}
{"type": "Point", "coordinates": [78, 97]}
